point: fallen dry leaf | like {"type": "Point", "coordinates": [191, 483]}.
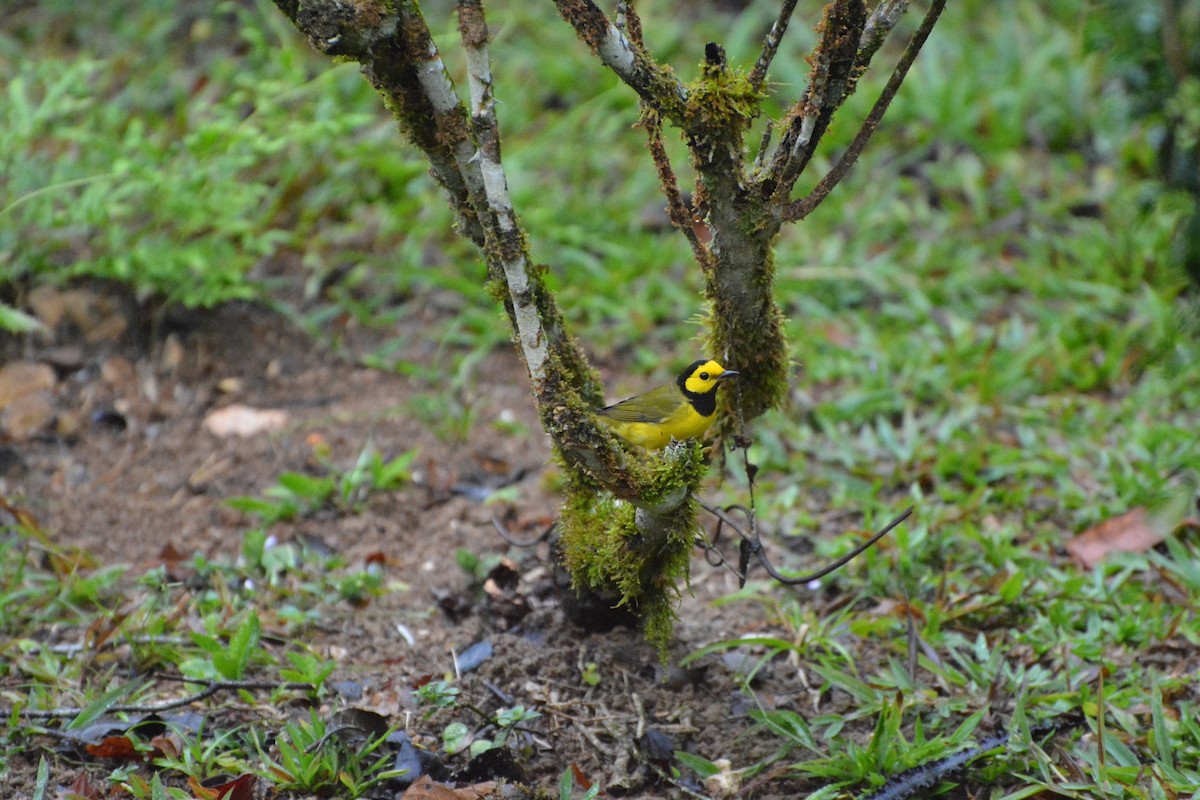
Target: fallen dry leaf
{"type": "Point", "coordinates": [121, 748]}
{"type": "Point", "coordinates": [1131, 532]}
{"type": "Point", "coordinates": [581, 780]}
{"type": "Point", "coordinates": [240, 420]}
{"type": "Point", "coordinates": [82, 789]}
{"type": "Point", "coordinates": [424, 788]}
{"type": "Point", "coordinates": [28, 415]}
{"type": "Point", "coordinates": [1138, 530]}
{"type": "Point", "coordinates": [20, 378]}
{"type": "Point", "coordinates": [240, 788]}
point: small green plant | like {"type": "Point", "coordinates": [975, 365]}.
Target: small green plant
{"type": "Point", "coordinates": [474, 565]}
{"type": "Point", "coordinates": [143, 789]}
{"type": "Point", "coordinates": [226, 658]}
{"type": "Point", "coordinates": [307, 667]}
{"type": "Point", "coordinates": [296, 494]}
{"type": "Point", "coordinates": [437, 695]}
{"type": "Point", "coordinates": [359, 586]}
{"type": "Point", "coordinates": [314, 761]}
{"type": "Point", "coordinates": [590, 674]}
{"type": "Point", "coordinates": [506, 722]}
{"type": "Point", "coordinates": [203, 754]}
{"type": "Point", "coordinates": [697, 764]}
{"type": "Point", "coordinates": [371, 473]}
{"type": "Point", "coordinates": [457, 736]}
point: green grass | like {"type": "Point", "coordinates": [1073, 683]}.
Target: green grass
{"type": "Point", "coordinates": [985, 318]}
{"type": "Point", "coordinates": [75, 632]}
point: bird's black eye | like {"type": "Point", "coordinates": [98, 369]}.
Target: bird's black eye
{"type": "Point", "coordinates": [703, 376]}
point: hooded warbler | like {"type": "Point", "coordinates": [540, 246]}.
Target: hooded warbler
{"type": "Point", "coordinates": [680, 410]}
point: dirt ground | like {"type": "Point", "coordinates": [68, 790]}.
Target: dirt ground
{"type": "Point", "coordinates": [118, 460]}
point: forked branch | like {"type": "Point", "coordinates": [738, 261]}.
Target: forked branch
{"type": "Point", "coordinates": [800, 209]}
{"type": "Point", "coordinates": [834, 74]}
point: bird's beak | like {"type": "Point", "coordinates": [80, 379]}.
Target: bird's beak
{"type": "Point", "coordinates": [729, 373]}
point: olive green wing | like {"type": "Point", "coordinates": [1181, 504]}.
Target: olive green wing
{"type": "Point", "coordinates": [653, 406]}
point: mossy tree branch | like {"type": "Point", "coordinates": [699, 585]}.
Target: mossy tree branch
{"type": "Point", "coordinates": [398, 55]}
{"type": "Point", "coordinates": [802, 208]}
{"type": "Point", "coordinates": [744, 209]}
{"type": "Point", "coordinates": [830, 82]}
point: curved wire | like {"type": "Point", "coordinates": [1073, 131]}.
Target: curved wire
{"type": "Point", "coordinates": [752, 545]}
{"type": "Point", "coordinates": [506, 536]}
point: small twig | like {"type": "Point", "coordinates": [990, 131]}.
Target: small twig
{"type": "Point", "coordinates": [209, 690]}
{"type": "Point", "coordinates": [640, 708]}
{"type": "Point", "coordinates": [651, 120]}
{"type": "Point", "coordinates": [712, 549]}
{"type": "Point", "coordinates": [764, 146]}
{"type": "Point", "coordinates": [1101, 713]}
{"type": "Point", "coordinates": [681, 216]}
{"type": "Point", "coordinates": [805, 205]}
{"type": "Point", "coordinates": [771, 44]}
{"type": "Point", "coordinates": [506, 536]}
{"type": "Point", "coordinates": [629, 23]}
{"type": "Point", "coordinates": [911, 629]}
{"type": "Point", "coordinates": [337, 732]}
{"type": "Point", "coordinates": [853, 554]}
{"type": "Point", "coordinates": [500, 694]}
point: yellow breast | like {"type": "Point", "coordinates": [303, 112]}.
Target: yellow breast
{"type": "Point", "coordinates": [682, 423]}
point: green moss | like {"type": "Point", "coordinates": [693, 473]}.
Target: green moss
{"type": "Point", "coordinates": [612, 547]}
{"type": "Point", "coordinates": [723, 99]}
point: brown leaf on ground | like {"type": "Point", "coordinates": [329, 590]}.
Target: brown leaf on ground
{"type": "Point", "coordinates": [240, 788]}
{"type": "Point", "coordinates": [27, 415]}
{"type": "Point", "coordinates": [244, 421]}
{"type": "Point", "coordinates": [19, 378]}
{"type": "Point", "coordinates": [121, 748]}
{"type": "Point", "coordinates": [424, 788]}
{"type": "Point", "coordinates": [170, 554]}
{"type": "Point", "coordinates": [168, 744]}
{"type": "Point", "coordinates": [581, 780]}
{"type": "Point", "coordinates": [82, 789]}
{"type": "Point", "coordinates": [1131, 532]}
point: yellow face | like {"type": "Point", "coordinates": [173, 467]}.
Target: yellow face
{"type": "Point", "coordinates": [704, 378]}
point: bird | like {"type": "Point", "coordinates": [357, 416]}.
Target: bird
{"type": "Point", "coordinates": [680, 410]}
